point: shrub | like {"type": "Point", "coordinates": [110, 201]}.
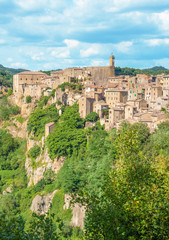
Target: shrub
{"type": "Point", "coordinates": [10, 91]}
{"type": "Point", "coordinates": [92, 117]}
{"type": "Point", "coordinates": [28, 99]}
{"type": "Point", "coordinates": [40, 117]}
{"type": "Point", "coordinates": [34, 152]}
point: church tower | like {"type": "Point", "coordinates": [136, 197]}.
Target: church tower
{"type": "Point", "coordinates": [111, 63]}
{"type": "Point", "coordinates": [111, 66]}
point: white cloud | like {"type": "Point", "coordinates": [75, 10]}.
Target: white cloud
{"type": "Point", "coordinates": [60, 52]}
{"type": "Point", "coordinates": [162, 20]}
{"type": "Point", "coordinates": [19, 65]}
{"type": "Point", "coordinates": [124, 47]}
{"type": "Point", "coordinates": [37, 57]}
{"type": "Point", "coordinates": [71, 43]}
{"type": "Point", "coordinates": [157, 42]}
{"type": "Point", "coordinates": [93, 50]}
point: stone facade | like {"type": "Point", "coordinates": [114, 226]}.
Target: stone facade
{"type": "Point", "coordinates": [49, 127]}
{"type": "Point", "coordinates": [24, 79]}
{"type": "Point", "coordinates": [85, 106]}
{"type": "Point", "coordinates": [116, 96]}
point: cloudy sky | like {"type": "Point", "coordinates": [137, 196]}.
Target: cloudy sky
{"type": "Point", "coordinates": [51, 34]}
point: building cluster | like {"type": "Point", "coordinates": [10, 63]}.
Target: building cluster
{"type": "Point", "coordinates": [140, 98]}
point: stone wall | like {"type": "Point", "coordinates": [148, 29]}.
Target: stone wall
{"type": "Point", "coordinates": [100, 75]}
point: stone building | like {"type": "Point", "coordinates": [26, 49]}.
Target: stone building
{"type": "Point", "coordinates": [156, 91]}
{"type": "Point", "coordinates": [130, 111]}
{"type": "Point", "coordinates": [85, 105]}
{"type": "Point", "coordinates": [139, 103]}
{"type": "Point", "coordinates": [100, 75]}
{"type": "Point", "coordinates": [24, 79]}
{"type": "Point", "coordinates": [100, 108]}
{"type": "Point", "coordinates": [116, 114]}
{"type": "Point", "coordinates": [161, 102]}
{"type": "Point", "coordinates": [116, 96]}
{"type": "Point", "coordinates": [166, 81]}
{"type": "Point", "coordinates": [60, 97]}
{"type": "Point", "coordinates": [49, 127]}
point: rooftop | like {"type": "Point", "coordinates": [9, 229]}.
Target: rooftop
{"type": "Point", "coordinates": [31, 73]}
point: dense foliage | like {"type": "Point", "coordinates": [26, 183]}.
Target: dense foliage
{"type": "Point", "coordinates": [40, 117]}
{"type": "Point", "coordinates": [28, 99]}
{"type": "Point", "coordinates": [72, 86]}
{"type": "Point", "coordinates": [92, 117]}
{"type": "Point", "coordinates": [69, 135]}
{"type": "Point", "coordinates": [133, 202]}
{"type": "Point", "coordinates": [34, 152]}
{"type": "Point", "coordinates": [5, 79]}
{"type": "Point", "coordinates": [11, 71]}
{"type": "Point", "coordinates": [134, 71]}
{"type": "Point", "coordinates": [121, 176]}
{"type": "Point", "coordinates": [7, 110]}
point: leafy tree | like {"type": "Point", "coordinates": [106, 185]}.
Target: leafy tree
{"type": "Point", "coordinates": [34, 152]}
{"type": "Point", "coordinates": [92, 117]}
{"type": "Point", "coordinates": [68, 135]}
{"type": "Point", "coordinates": [10, 91]}
{"type": "Point", "coordinates": [12, 228]}
{"type": "Point", "coordinates": [7, 110]}
{"type": "Point", "coordinates": [28, 99]}
{"type": "Point", "coordinates": [40, 117]}
{"type": "Point", "coordinates": [131, 202]}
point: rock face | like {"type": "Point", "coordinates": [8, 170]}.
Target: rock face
{"type": "Point", "coordinates": [7, 190]}
{"type": "Point", "coordinates": [41, 204]}
{"type": "Point", "coordinates": [45, 163]}
{"type": "Point", "coordinates": [18, 129]}
{"type": "Point", "coordinates": [78, 212]}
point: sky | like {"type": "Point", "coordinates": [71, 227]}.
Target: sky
{"type": "Point", "coordinates": [53, 34]}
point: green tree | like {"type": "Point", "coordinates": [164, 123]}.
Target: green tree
{"type": "Point", "coordinates": [28, 99]}
{"type": "Point", "coordinates": [92, 117]}
{"type": "Point", "coordinates": [34, 152]}
{"type": "Point", "coordinates": [131, 202]}
{"type": "Point", "coordinates": [10, 91]}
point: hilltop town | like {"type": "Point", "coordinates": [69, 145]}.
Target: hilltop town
{"type": "Point", "coordinates": [141, 98]}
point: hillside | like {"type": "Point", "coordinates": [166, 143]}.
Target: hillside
{"type": "Point", "coordinates": [12, 71]}
{"type": "Point", "coordinates": [133, 71]}
{"type": "Point", "coordinates": [5, 79]}
{"type": "Point", "coordinates": [121, 176]}
{"type": "Point", "coordinates": [156, 68]}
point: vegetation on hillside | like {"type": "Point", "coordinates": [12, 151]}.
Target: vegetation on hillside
{"type": "Point", "coordinates": [11, 71]}
{"type": "Point", "coordinates": [134, 71]}
{"type": "Point", "coordinates": [7, 109]}
{"type": "Point", "coordinates": [38, 119]}
{"type": "Point", "coordinates": [121, 176]}
{"type": "Point", "coordinates": [5, 79]}
{"type": "Point", "coordinates": [72, 86]}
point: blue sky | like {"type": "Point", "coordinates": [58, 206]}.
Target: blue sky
{"type": "Point", "coordinates": [51, 34]}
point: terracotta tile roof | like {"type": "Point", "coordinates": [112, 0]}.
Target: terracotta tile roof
{"type": "Point", "coordinates": [31, 73]}
{"type": "Point", "coordinates": [61, 71]}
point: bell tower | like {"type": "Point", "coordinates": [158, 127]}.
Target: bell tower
{"type": "Point", "coordinates": [111, 62]}
{"type": "Point", "coordinates": [111, 65]}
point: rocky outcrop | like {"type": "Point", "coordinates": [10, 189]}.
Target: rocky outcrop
{"type": "Point", "coordinates": [8, 189]}
{"type": "Point", "coordinates": [43, 163]}
{"type": "Point", "coordinates": [41, 204]}
{"type": "Point", "coordinates": [78, 212]}
{"type": "Point", "coordinates": [17, 129]}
